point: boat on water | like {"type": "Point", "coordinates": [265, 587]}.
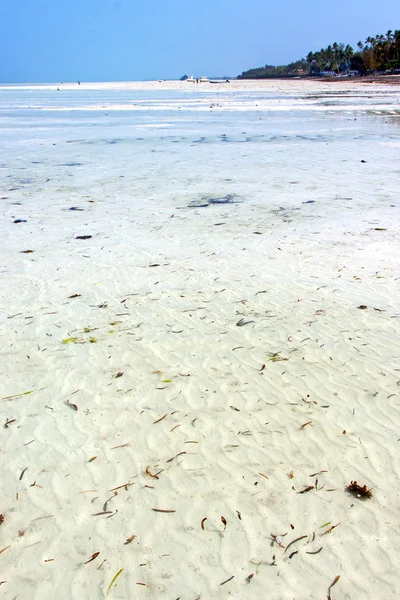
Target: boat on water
{"type": "Point", "coordinates": [191, 79]}
{"type": "Point", "coordinates": [204, 80]}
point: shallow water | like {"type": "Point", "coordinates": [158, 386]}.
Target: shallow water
{"type": "Point", "coordinates": [274, 145]}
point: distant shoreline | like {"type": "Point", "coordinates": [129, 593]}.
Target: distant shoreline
{"type": "Point", "coordinates": [390, 79]}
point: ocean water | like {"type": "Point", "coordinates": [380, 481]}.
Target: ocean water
{"type": "Point", "coordinates": [174, 145]}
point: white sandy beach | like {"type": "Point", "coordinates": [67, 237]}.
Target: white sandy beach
{"type": "Point", "coordinates": [186, 393]}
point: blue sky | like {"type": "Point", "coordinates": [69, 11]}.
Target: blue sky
{"type": "Point", "coordinates": [112, 40]}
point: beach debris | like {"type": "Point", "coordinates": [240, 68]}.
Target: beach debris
{"type": "Point", "coordinates": [305, 424]}
{"type": "Point", "coordinates": [8, 422]}
{"type": "Point", "coordinates": [278, 539]}
{"type": "Point", "coordinates": [93, 557]}
{"type": "Point", "coordinates": [316, 552]}
{"type": "Point", "coordinates": [291, 475]}
{"type": "Point", "coordinates": [103, 512]}
{"type": "Point", "coordinates": [249, 577]}
{"type": "Point", "coordinates": [160, 419]}
{"type": "Point", "coordinates": [119, 487]}
{"type": "Point", "coordinates": [70, 340]}
{"type": "Point", "coordinates": [243, 322]}
{"type": "Point", "coordinates": [319, 472]}
{"type": "Point", "coordinates": [22, 473]}
{"type": "Point", "coordinates": [224, 522]}
{"type": "Point", "coordinates": [202, 522]}
{"type": "Point", "coordinates": [19, 221]}
{"type": "Point", "coordinates": [18, 395]}
{"type": "Point", "coordinates": [307, 489]}
{"type": "Point", "coordinates": [176, 456]}
{"type": "Point", "coordinates": [163, 510]}
{"type": "Point", "coordinates": [276, 357]}
{"type": "Point", "coordinates": [119, 374]}
{"type": "Point", "coordinates": [302, 537]}
{"type": "Point", "coordinates": [75, 208]}
{"type": "Point", "coordinates": [380, 229]}
{"type": "Point", "coordinates": [334, 582]}
{"type": "Point", "coordinates": [71, 405]}
{"type": "Point", "coordinates": [358, 490]}
{"type": "Point", "coordinates": [239, 515]}
{"type": "Point", "coordinates": [83, 237]}
{"type": "Point", "coordinates": [2, 517]}
{"type": "Point", "coordinates": [129, 540]}
{"type": "Point", "coordinates": [148, 472]}
{"type": "Point", "coordinates": [227, 580]}
{"type": "Point", "coordinates": [26, 251]}
{"type": "Point", "coordinates": [114, 579]}
{"type": "Point", "coordinates": [330, 529]}
{"type": "Point", "coordinates": [121, 446]}
{"type": "Point", "coordinates": [92, 459]}
{"type": "Point", "coordinates": [75, 296]}
{"type": "Point", "coordinates": [362, 306]}
{"type": "Point", "coordinates": [205, 201]}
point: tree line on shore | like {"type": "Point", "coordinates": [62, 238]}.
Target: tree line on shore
{"type": "Point", "coordinates": [377, 54]}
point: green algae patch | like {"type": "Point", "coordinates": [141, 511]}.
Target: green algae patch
{"type": "Point", "coordinates": [70, 340]}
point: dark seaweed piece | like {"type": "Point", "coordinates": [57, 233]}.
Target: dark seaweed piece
{"type": "Point", "coordinates": [75, 208]}
{"type": "Point", "coordinates": [316, 552]}
{"type": "Point", "coordinates": [307, 489]}
{"type": "Point", "coordinates": [27, 251]}
{"type": "Point", "coordinates": [71, 405]}
{"type": "Point", "coordinates": [22, 474]}
{"type": "Point", "coordinates": [19, 221]}
{"type": "Point", "coordinates": [302, 537]}
{"type": "Point", "coordinates": [228, 199]}
{"type": "Point", "coordinates": [129, 540]}
{"type": "Point", "coordinates": [207, 201]}
{"type": "Point", "coordinates": [2, 517]}
{"type": "Point", "coordinates": [362, 306]}
{"type": "Point", "coordinates": [93, 557]}
{"type": "Point", "coordinates": [242, 322]}
{"type": "Point", "coordinates": [227, 580]}
{"type": "Point", "coordinates": [358, 490]}
{"type": "Point", "coordinates": [334, 582]}
{"type": "Point", "coordinates": [83, 237]}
